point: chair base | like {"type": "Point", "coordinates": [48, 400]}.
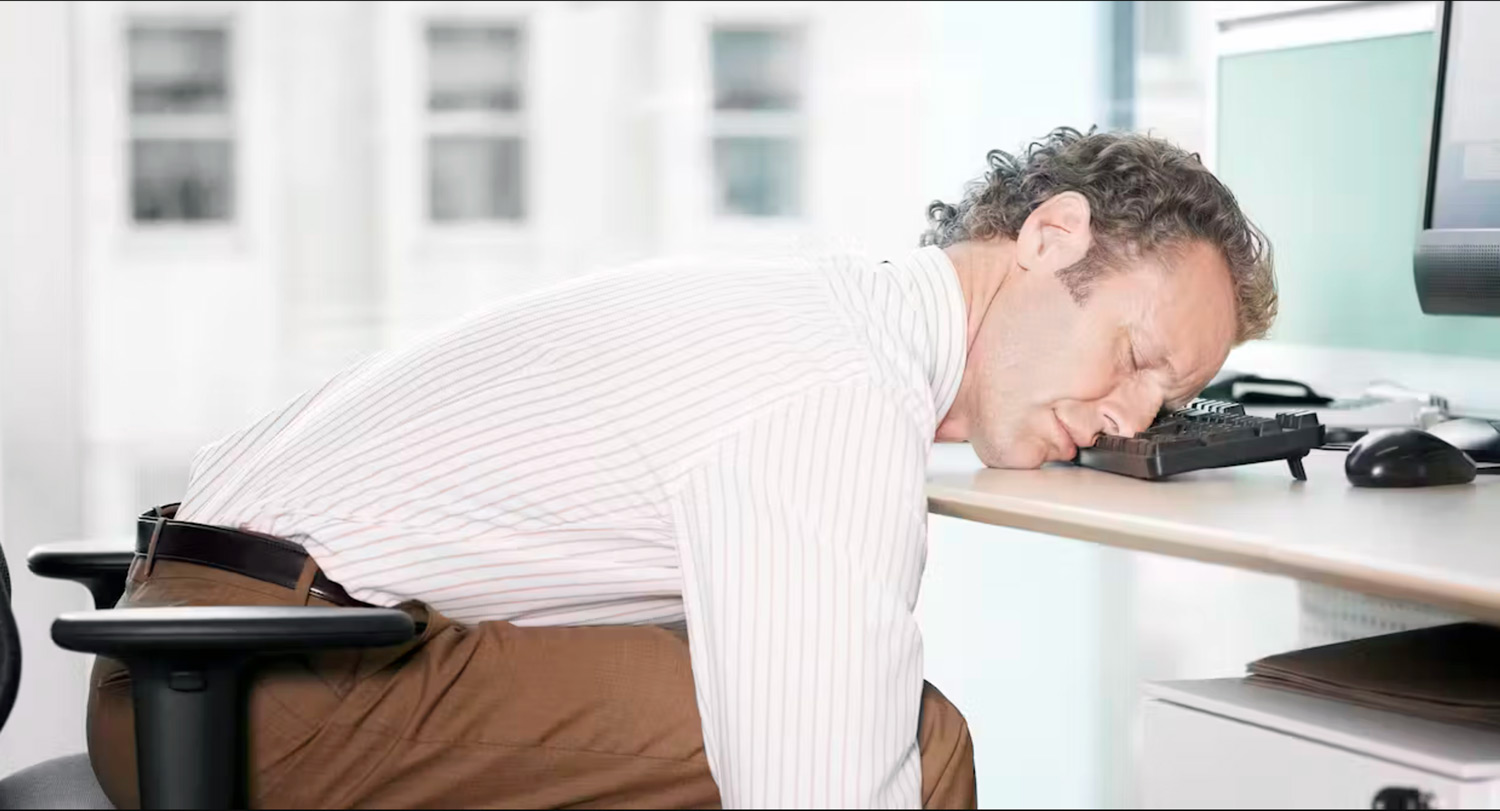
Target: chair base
{"type": "Point", "coordinates": [65, 782]}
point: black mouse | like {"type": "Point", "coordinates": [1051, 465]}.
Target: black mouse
{"type": "Point", "coordinates": [1406, 457]}
{"type": "Point", "coordinates": [1477, 438]}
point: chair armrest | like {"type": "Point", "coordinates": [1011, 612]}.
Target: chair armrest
{"type": "Point", "coordinates": [188, 671]}
{"type": "Point", "coordinates": [127, 632]}
{"type": "Point", "coordinates": [100, 566]}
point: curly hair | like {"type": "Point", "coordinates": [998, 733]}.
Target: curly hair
{"type": "Point", "coordinates": [1146, 197]}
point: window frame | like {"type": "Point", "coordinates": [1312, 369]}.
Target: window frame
{"type": "Point", "coordinates": [469, 123]}
{"type": "Point", "coordinates": [790, 124]}
{"type": "Point", "coordinates": [227, 127]}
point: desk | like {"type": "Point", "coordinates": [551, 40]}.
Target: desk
{"type": "Point", "coordinates": [1439, 546]}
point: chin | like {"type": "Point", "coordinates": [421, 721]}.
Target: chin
{"type": "Point", "coordinates": [1020, 455]}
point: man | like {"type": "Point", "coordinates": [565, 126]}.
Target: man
{"type": "Point", "coordinates": [550, 484]}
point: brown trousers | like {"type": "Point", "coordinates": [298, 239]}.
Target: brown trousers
{"type": "Point", "coordinates": [482, 716]}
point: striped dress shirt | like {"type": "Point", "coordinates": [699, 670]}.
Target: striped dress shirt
{"type": "Point", "coordinates": [738, 445]}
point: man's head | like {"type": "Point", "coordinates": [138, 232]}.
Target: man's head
{"type": "Point", "coordinates": [1107, 275]}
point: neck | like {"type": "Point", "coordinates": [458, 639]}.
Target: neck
{"type": "Point", "coordinates": [982, 269]}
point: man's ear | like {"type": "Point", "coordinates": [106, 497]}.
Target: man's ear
{"type": "Point", "coordinates": [1056, 235]}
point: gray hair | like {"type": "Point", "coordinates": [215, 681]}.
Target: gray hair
{"type": "Point", "coordinates": [1146, 196]}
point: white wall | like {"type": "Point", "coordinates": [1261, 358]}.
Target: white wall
{"type": "Point", "coordinates": [40, 453]}
{"type": "Point", "coordinates": [180, 323]}
{"type": "Point", "coordinates": [328, 268]}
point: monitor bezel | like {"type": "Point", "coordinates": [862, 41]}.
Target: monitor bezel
{"type": "Point", "coordinates": [1445, 29]}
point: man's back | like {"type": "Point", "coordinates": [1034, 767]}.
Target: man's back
{"type": "Point", "coordinates": [520, 465]}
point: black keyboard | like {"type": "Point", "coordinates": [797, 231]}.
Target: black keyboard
{"type": "Point", "coordinates": [1205, 434]}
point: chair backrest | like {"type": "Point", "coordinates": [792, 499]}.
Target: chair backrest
{"type": "Point", "coordinates": [10, 647]}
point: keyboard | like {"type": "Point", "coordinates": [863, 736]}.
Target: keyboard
{"type": "Point", "coordinates": [1206, 434]}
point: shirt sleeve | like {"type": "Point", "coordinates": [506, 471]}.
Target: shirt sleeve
{"type": "Point", "coordinates": [803, 537]}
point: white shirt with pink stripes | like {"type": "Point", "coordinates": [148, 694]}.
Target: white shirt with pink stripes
{"type": "Point", "coordinates": [738, 445]}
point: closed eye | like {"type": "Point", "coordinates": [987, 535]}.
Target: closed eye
{"type": "Point", "coordinates": [1126, 359]}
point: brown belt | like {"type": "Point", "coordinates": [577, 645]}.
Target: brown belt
{"type": "Point", "coordinates": [262, 557]}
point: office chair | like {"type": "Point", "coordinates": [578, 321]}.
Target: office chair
{"type": "Point", "coordinates": [189, 668]}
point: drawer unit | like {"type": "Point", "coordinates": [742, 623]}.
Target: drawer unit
{"type": "Point", "coordinates": [1226, 744]}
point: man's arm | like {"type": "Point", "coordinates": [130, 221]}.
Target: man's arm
{"type": "Point", "coordinates": [803, 540]}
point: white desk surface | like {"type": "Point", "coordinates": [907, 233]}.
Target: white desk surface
{"type": "Point", "coordinates": [1436, 545]}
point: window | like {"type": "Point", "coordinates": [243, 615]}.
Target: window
{"type": "Point", "coordinates": [757, 100]}
{"type": "Point", "coordinates": [181, 123]}
{"type": "Point", "coordinates": [475, 98]}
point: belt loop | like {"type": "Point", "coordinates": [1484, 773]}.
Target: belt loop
{"type": "Point", "coordinates": [305, 580]}
{"type": "Point", "coordinates": [161, 521]}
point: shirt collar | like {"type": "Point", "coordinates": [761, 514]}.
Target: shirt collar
{"type": "Point", "coordinates": [930, 282]}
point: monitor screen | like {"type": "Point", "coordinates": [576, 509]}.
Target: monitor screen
{"type": "Point", "coordinates": [1465, 185]}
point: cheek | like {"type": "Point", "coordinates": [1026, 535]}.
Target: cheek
{"type": "Point", "coordinates": [1016, 374]}
{"type": "Point", "coordinates": [1051, 365]}
{"type": "Point", "coordinates": [1094, 368]}
{"type": "Point", "coordinates": [1068, 379]}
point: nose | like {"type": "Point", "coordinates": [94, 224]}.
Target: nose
{"type": "Point", "coordinates": [1130, 409]}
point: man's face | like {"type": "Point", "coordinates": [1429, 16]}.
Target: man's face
{"type": "Point", "coordinates": [1051, 374]}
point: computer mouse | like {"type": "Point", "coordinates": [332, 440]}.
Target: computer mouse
{"type": "Point", "coordinates": [1406, 457]}
{"type": "Point", "coordinates": [1479, 439]}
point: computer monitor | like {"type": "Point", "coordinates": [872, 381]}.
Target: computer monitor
{"type": "Point", "coordinates": [1457, 261]}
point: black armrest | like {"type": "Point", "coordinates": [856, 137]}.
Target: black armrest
{"type": "Point", "coordinates": [188, 671]}
{"type": "Point", "coordinates": [101, 566]}
{"type": "Point", "coordinates": [126, 632]}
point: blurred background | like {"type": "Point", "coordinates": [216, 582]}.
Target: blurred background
{"type": "Point", "coordinates": [206, 207]}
